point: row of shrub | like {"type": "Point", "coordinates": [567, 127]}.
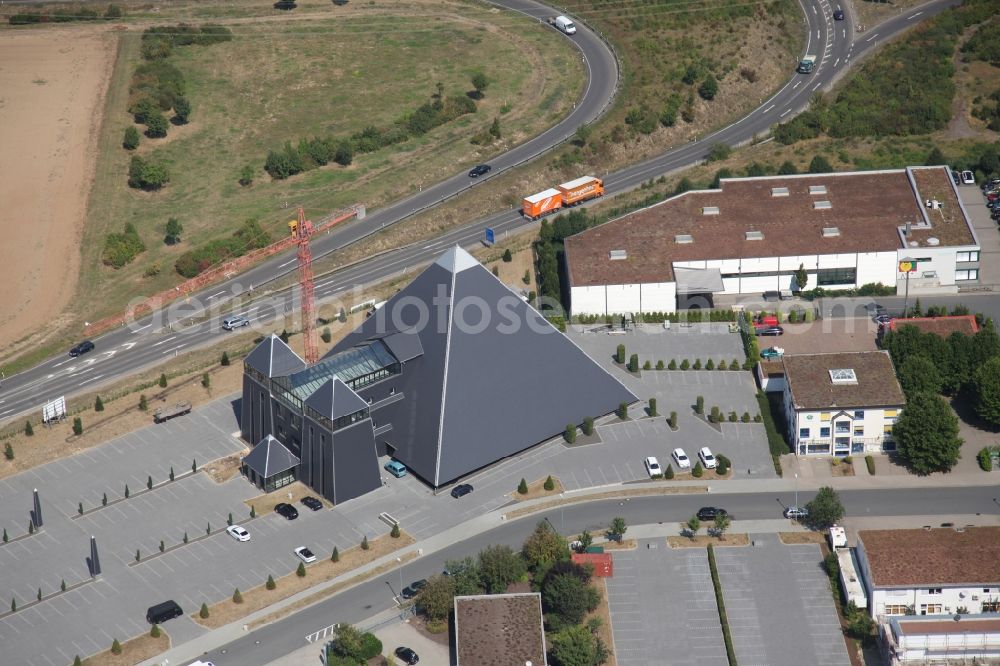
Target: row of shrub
{"type": "Point", "coordinates": [121, 248]}
{"type": "Point", "coordinates": [869, 289]}
{"type": "Point", "coordinates": [686, 316]}
{"type": "Point", "coordinates": [66, 15]}
{"type": "Point", "coordinates": [318, 151]}
{"type": "Point", "coordinates": [985, 458]}
{"type": "Point", "coordinates": [633, 365]}
{"type": "Point", "coordinates": [250, 236]}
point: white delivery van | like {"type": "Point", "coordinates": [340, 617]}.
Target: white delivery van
{"type": "Point", "coordinates": [564, 24]}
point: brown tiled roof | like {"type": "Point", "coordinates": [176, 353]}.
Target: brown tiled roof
{"type": "Point", "coordinates": [925, 558]}
{"type": "Point", "coordinates": [808, 377]}
{"type": "Point", "coordinates": [967, 624]}
{"type": "Point", "coordinates": [868, 208]}
{"type": "Point", "coordinates": [499, 630]}
{"type": "Point", "coordinates": [942, 326]}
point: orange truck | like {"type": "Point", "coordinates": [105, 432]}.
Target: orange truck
{"type": "Point", "coordinates": [568, 194]}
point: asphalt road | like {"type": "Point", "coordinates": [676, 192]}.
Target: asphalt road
{"type": "Point", "coordinates": [153, 339]}
{"type": "Point", "coordinates": [361, 602]}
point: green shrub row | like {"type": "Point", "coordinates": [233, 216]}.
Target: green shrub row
{"type": "Point", "coordinates": [121, 248]}
{"type": "Point", "coordinates": [870, 464]}
{"type": "Point", "coordinates": [248, 237]}
{"type": "Point", "coordinates": [984, 458]}
{"type": "Point", "coordinates": [869, 289]}
{"type": "Point", "coordinates": [313, 153]}
{"type": "Point", "coordinates": [776, 441]}
{"type": "Point", "coordinates": [66, 15]}
{"type": "Point", "coordinates": [721, 603]}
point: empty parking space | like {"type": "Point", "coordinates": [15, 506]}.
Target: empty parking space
{"type": "Point", "coordinates": [779, 604]}
{"type": "Point", "coordinates": [663, 608]}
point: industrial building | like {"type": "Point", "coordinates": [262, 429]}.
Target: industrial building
{"type": "Point", "coordinates": [452, 374]}
{"type": "Point", "coordinates": [751, 235]}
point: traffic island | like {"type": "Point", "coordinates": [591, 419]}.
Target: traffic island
{"type": "Point", "coordinates": [133, 651]}
{"type": "Point", "coordinates": [537, 489]}
{"type": "Point", "coordinates": [702, 541]}
{"type": "Point", "coordinates": [611, 494]}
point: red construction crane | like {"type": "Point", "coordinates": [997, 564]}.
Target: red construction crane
{"type": "Point", "coordinates": [301, 231]}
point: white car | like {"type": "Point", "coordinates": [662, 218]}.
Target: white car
{"type": "Point", "coordinates": [968, 178]}
{"type": "Point", "coordinates": [238, 533]}
{"type": "Point", "coordinates": [707, 459]}
{"type": "Point", "coordinates": [305, 555]}
{"type": "Point", "coordinates": [653, 466]}
{"type": "Point", "coordinates": [683, 462]}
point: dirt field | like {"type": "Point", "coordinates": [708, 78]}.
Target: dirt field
{"type": "Point", "coordinates": [52, 87]}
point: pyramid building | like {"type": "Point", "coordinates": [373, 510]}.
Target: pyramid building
{"type": "Point", "coordinates": [452, 374]}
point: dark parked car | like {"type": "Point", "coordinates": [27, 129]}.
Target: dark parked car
{"type": "Point", "coordinates": [286, 510]}
{"type": "Point", "coordinates": [312, 503]}
{"type": "Point", "coordinates": [710, 512]}
{"type": "Point", "coordinates": [838, 15]}
{"type": "Point", "coordinates": [480, 170]}
{"type": "Point", "coordinates": [414, 588]}
{"type": "Point", "coordinates": [771, 330]}
{"type": "Point", "coordinates": [82, 348]}
{"type": "Point", "coordinates": [461, 490]}
{"type": "Point", "coordinates": [407, 655]}
{"type": "Point", "coordinates": [162, 612]}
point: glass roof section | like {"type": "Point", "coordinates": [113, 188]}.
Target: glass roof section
{"type": "Point", "coordinates": [348, 365]}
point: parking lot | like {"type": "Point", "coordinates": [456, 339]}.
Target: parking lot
{"type": "Point", "coordinates": [663, 608]}
{"type": "Point", "coordinates": [780, 608]}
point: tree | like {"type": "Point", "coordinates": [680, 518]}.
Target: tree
{"type": "Point", "coordinates": [495, 128]}
{"type": "Point", "coordinates": [437, 598]}
{"type": "Point", "coordinates": [149, 482]}
{"type": "Point", "coordinates": [935, 157]}
{"type": "Point", "coordinates": [225, 359]}
{"type": "Point", "coordinates": [394, 532]}
{"type": "Point", "coordinates": [237, 596]}
{"type": "Point", "coordinates": [722, 523]}
{"type": "Point", "coordinates": [154, 631]}
{"type": "Point", "coordinates": [693, 524]}
{"type": "Point", "coordinates": [986, 388]}
{"type": "Point", "coordinates": [98, 404]}
{"type": "Point", "coordinates": [364, 543]}
{"type": "Point", "coordinates": [574, 646]}
{"type": "Point", "coordinates": [147, 175]}
{"type": "Point", "coordinates": [335, 555]}
{"type": "Point", "coordinates": [116, 647]}
{"type": "Point", "coordinates": [825, 509]}
{"type": "Point", "coordinates": [77, 426]}
{"type": "Point", "coordinates": [588, 425]}
{"type": "Point", "coordinates": [28, 430]}
{"type": "Point", "coordinates": [163, 380]}
{"type": "Point", "coordinates": [801, 277]}
{"type": "Point", "coordinates": [499, 566]}
{"type": "Point", "coordinates": [708, 88]}
{"type": "Point", "coordinates": [522, 488]}
{"type": "Point", "coordinates": [173, 231]}
{"type": "Point", "coordinates": [669, 472]}
{"type": "Point", "coordinates": [618, 527]}
{"type": "Point", "coordinates": [569, 597]}
{"type": "Point", "coordinates": [926, 434]}
{"type": "Point", "coordinates": [719, 151]}
{"type": "Point", "coordinates": [143, 403]}
{"type": "Point", "coordinates": [544, 545]}
{"type": "Point", "coordinates": [699, 405]}
{"type": "Point", "coordinates": [787, 168]}
{"type": "Point", "coordinates": [549, 484]}
{"type": "Point", "coordinates": [465, 575]}
{"type": "Point", "coordinates": [586, 539]}
{"type": "Point", "coordinates": [582, 135]}
{"type": "Point", "coordinates": [620, 354]}
{"type": "Point", "coordinates": [270, 582]}
{"type": "Point", "coordinates": [480, 83]}
{"type": "Point", "coordinates": [246, 175]}
{"type": "Point", "coordinates": [182, 110]}
{"type": "Point", "coordinates": [507, 256]}
{"type": "Point", "coordinates": [820, 164]}
{"type": "Point", "coordinates": [156, 126]}
{"type": "Point", "coordinates": [346, 640]}
{"type": "Point", "coordinates": [300, 570]}
{"type": "Point", "coordinates": [131, 139]}
{"type": "Point", "coordinates": [919, 374]}
{"type": "Point", "coordinates": [8, 451]}
{"type": "Point", "coordinates": [77, 661]}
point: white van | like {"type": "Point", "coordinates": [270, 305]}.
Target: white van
{"type": "Point", "coordinates": [565, 25]}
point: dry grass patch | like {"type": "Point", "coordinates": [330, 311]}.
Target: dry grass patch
{"type": "Point", "coordinates": [537, 489]}
{"type": "Point", "coordinates": [792, 538]}
{"type": "Point", "coordinates": [662, 490]}
{"type": "Point", "coordinates": [223, 469]}
{"type": "Point", "coordinates": [224, 612]}
{"type": "Point", "coordinates": [702, 540]}
{"type": "Point", "coordinates": [624, 544]}
{"type": "Point", "coordinates": [840, 468]}
{"type": "Point", "coordinates": [603, 612]}
{"type": "Point", "coordinates": [134, 651]}
{"type": "Point", "coordinates": [291, 494]}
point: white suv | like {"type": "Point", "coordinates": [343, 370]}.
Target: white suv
{"type": "Point", "coordinates": [707, 459]}
{"type": "Point", "coordinates": [683, 462]}
{"type": "Point", "coordinates": [653, 466]}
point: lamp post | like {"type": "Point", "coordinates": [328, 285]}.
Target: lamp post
{"type": "Point", "coordinates": [796, 491]}
{"type": "Point", "coordinates": [400, 560]}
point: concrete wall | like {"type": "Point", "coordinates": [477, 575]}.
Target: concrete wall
{"type": "Point", "coordinates": [619, 299]}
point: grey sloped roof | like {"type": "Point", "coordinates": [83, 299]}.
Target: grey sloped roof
{"type": "Point", "coordinates": [487, 385]}
{"type": "Point", "coordinates": [335, 399]}
{"type": "Point", "coordinates": [270, 457]}
{"type": "Point", "coordinates": [274, 358]}
{"type": "Point", "coordinates": [404, 346]}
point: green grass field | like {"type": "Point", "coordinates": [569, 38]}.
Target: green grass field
{"type": "Point", "coordinates": [282, 79]}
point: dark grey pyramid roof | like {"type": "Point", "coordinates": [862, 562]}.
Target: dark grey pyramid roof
{"type": "Point", "coordinates": [335, 399]}
{"type": "Point", "coordinates": [270, 457]}
{"type": "Point", "coordinates": [274, 358]}
{"type": "Point", "coordinates": [495, 377]}
{"type": "Point", "coordinates": [404, 346]}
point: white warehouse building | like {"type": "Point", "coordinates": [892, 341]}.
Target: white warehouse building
{"type": "Point", "coordinates": [752, 234]}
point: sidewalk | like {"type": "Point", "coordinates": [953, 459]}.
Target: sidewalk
{"type": "Point", "coordinates": [218, 637]}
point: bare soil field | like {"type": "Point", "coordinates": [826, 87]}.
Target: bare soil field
{"type": "Point", "coordinates": [52, 87]}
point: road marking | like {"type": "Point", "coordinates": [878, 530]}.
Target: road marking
{"type": "Point", "coordinates": [164, 341]}
{"type": "Point", "coordinates": [796, 85]}
{"type": "Point", "coordinates": [910, 18]}
{"type": "Point", "coordinates": [9, 411]}
{"type": "Point", "coordinates": [167, 351]}
{"type": "Point", "coordinates": [816, 87]}
{"type": "Point", "coordinates": [128, 345]}
{"type": "Point", "coordinates": [872, 37]}
{"type": "Point", "coordinates": [836, 62]}
{"type": "Point", "coordinates": [787, 111]}
{"type": "Point", "coordinates": [87, 381]}
{"type": "Point", "coordinates": [218, 294]}
{"type": "Point", "coordinates": [768, 109]}
{"type": "Point", "coordinates": [136, 330]}
{"type": "Point", "coordinates": [288, 262]}
{"type": "Point", "coordinates": [62, 363]}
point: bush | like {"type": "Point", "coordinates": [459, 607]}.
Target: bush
{"type": "Point", "coordinates": [685, 365]}
{"type": "Point", "coordinates": [985, 461]}
{"type": "Point", "coordinates": [154, 632]}
{"type": "Point", "coordinates": [203, 613]}
{"type": "Point", "coordinates": [588, 425]}
{"type": "Point", "coordinates": [647, 366]}
{"type": "Point", "coordinates": [371, 647]}
{"type": "Point", "coordinates": [162, 381]}
{"type": "Point", "coordinates": [145, 175]}
{"type": "Point", "coordinates": [622, 411]}
{"type": "Point", "coordinates": [522, 488]}
{"type": "Point", "coordinates": [633, 363]}
{"type": "Point", "coordinates": [335, 555]}
{"type": "Point", "coordinates": [659, 364]}
{"type": "Point", "coordinates": [721, 603]}
{"type": "Point", "coordinates": [716, 415]}
{"type": "Point", "coordinates": [745, 418]}
{"type": "Point", "coordinates": [710, 365]}
{"type": "Point", "coordinates": [732, 417]}
{"type": "Point", "coordinates": [672, 420]}
{"type": "Point", "coordinates": [131, 139]}
{"type": "Point", "coordinates": [721, 465]}
{"type": "Point", "coordinates": [250, 236]}
{"type": "Point", "coordinates": [697, 471]}
{"type": "Point", "coordinates": [734, 365]}
{"type": "Point", "coordinates": [300, 570]}
{"type": "Point", "coordinates": [708, 88]}
{"type": "Point", "coordinates": [669, 472]}
{"type": "Point", "coordinates": [270, 584]}
{"type": "Point", "coordinates": [719, 151]}
{"type": "Point", "coordinates": [28, 430]}
{"type": "Point", "coordinates": [237, 596]}
{"type": "Point", "coordinates": [143, 403]}
{"type": "Point", "coordinates": [121, 249]}
{"type": "Point", "coordinates": [225, 359]}
{"type": "Point", "coordinates": [326, 335]}
{"type": "Point", "coordinates": [699, 405]}
{"type": "Point", "coordinates": [156, 126]}
{"type": "Point", "coordinates": [672, 365]}
{"type": "Point", "coordinates": [364, 543]}
{"type": "Point", "coordinates": [652, 407]}
{"type": "Point", "coordinates": [116, 647]}
{"type": "Point", "coordinates": [620, 354]}
{"type": "Point", "coordinates": [8, 451]}
{"type": "Point", "coordinates": [77, 426]}
{"type": "Point", "coordinates": [206, 380]}
{"type": "Point", "coordinates": [870, 464]}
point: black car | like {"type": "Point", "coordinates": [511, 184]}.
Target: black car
{"type": "Point", "coordinates": [414, 588]}
{"type": "Point", "coordinates": [312, 503]}
{"type": "Point", "coordinates": [407, 655]}
{"type": "Point", "coordinates": [286, 510]}
{"type": "Point", "coordinates": [771, 330]}
{"type": "Point", "coordinates": [710, 512]}
{"type": "Point", "coordinates": [838, 15]}
{"type": "Point", "coordinates": [480, 170]}
{"type": "Point", "coordinates": [461, 490]}
{"type": "Point", "coordinates": [82, 348]}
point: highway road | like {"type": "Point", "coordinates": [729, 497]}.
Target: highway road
{"type": "Point", "coordinates": [356, 604]}
{"type": "Point", "coordinates": [154, 339]}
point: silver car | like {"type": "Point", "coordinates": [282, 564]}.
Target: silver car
{"type": "Point", "coordinates": [229, 323]}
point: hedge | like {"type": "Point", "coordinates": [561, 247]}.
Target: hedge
{"type": "Point", "coordinates": [870, 464]}
{"type": "Point", "coordinates": [723, 617]}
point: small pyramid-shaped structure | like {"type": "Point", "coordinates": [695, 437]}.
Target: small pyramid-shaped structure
{"type": "Point", "coordinates": [335, 399]}
{"type": "Point", "coordinates": [270, 457]}
{"type": "Point", "coordinates": [494, 377]}
{"type": "Point", "coordinates": [273, 358]}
